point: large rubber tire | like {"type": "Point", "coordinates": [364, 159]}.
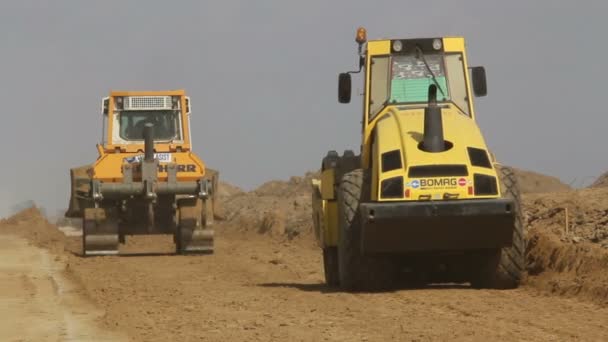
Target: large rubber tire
{"type": "Point", "coordinates": [357, 271]}
{"type": "Point", "coordinates": [330, 266]}
{"type": "Point", "coordinates": [505, 268]}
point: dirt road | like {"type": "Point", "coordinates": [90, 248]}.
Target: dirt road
{"type": "Point", "coordinates": [257, 289]}
{"type": "Point", "coordinates": [38, 303]}
{"type": "Point", "coordinates": [254, 288]}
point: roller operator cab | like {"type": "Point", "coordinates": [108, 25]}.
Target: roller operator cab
{"type": "Point", "coordinates": [146, 179]}
{"type": "Point", "coordinates": [424, 200]}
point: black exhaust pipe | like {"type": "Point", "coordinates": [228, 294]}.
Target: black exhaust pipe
{"type": "Point", "coordinates": [149, 142]}
{"type": "Point", "coordinates": [433, 124]}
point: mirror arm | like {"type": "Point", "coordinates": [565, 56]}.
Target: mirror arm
{"type": "Point", "coordinates": [361, 60]}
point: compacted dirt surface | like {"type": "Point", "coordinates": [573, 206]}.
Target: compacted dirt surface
{"type": "Point", "coordinates": [256, 287]}
{"type": "Point", "coordinates": [38, 302]}
{"type": "Point", "coordinates": [265, 280]}
{"type": "Point", "coordinates": [263, 289]}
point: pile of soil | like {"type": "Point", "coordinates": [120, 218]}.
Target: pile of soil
{"type": "Point", "coordinates": [587, 212]}
{"type": "Point", "coordinates": [276, 207]}
{"type": "Point", "coordinates": [567, 269]}
{"type": "Point", "coordinates": [567, 235]}
{"type": "Point", "coordinates": [225, 192]}
{"type": "Point", "coordinates": [32, 224]}
{"type": "Point", "coordinates": [601, 181]}
{"type": "Point", "coordinates": [533, 182]}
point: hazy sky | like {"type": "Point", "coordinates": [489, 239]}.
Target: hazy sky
{"type": "Point", "coordinates": [262, 77]}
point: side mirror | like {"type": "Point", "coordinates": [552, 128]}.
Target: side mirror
{"type": "Point", "coordinates": [480, 88]}
{"type": "Point", "coordinates": [187, 105]}
{"type": "Point", "coordinates": [104, 105]}
{"type": "Point", "coordinates": [344, 88]}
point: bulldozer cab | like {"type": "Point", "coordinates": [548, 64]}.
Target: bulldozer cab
{"type": "Point", "coordinates": [126, 113]}
{"type": "Point", "coordinates": [165, 122]}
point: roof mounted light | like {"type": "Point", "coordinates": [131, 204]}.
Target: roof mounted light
{"type": "Point", "coordinates": [175, 100]}
{"type": "Point", "coordinates": [397, 46]}
{"type": "Point", "coordinates": [361, 35]}
{"type": "Point", "coordinates": [118, 101]}
{"type": "Point", "coordinates": [437, 44]}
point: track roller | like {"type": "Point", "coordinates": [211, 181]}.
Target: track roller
{"type": "Point", "coordinates": [99, 232]}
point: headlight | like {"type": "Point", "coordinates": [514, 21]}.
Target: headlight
{"type": "Point", "coordinates": [397, 46]}
{"type": "Point", "coordinates": [118, 102]}
{"type": "Point", "coordinates": [437, 44]}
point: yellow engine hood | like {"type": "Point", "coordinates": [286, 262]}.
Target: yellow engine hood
{"type": "Point", "coordinates": [404, 130]}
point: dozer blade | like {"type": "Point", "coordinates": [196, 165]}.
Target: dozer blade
{"type": "Point", "coordinates": [99, 233]}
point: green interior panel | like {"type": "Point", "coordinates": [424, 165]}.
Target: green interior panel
{"type": "Point", "coordinates": [416, 90]}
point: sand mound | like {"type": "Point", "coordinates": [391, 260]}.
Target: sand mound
{"type": "Point", "coordinates": [225, 191]}
{"type": "Point", "coordinates": [601, 181]}
{"type": "Point", "coordinates": [31, 224]}
{"type": "Point", "coordinates": [567, 269]}
{"type": "Point", "coordinates": [276, 207]}
{"type": "Point", "coordinates": [569, 260]}
{"type": "Point", "coordinates": [587, 215]}
{"type": "Point", "coordinates": [532, 182]}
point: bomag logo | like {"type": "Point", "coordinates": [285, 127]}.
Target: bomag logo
{"type": "Point", "coordinates": [438, 182]}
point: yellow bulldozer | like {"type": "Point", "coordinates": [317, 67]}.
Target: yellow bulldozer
{"type": "Point", "coordinates": [146, 179]}
{"type": "Point", "coordinates": [424, 200]}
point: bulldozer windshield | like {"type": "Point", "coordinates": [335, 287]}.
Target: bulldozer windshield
{"type": "Point", "coordinates": [166, 124]}
{"type": "Point", "coordinates": [405, 79]}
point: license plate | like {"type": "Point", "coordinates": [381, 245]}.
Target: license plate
{"type": "Point", "coordinates": [161, 157]}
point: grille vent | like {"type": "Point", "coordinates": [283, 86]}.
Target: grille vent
{"type": "Point", "coordinates": [437, 171]}
{"type": "Point", "coordinates": [148, 102]}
